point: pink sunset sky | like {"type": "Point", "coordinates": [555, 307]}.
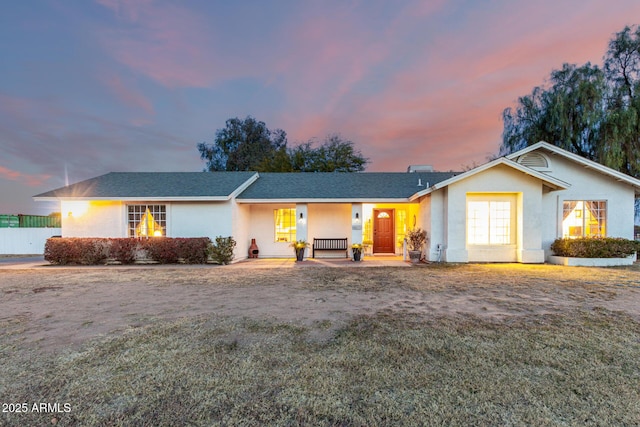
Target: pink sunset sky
{"type": "Point", "coordinates": [89, 87]}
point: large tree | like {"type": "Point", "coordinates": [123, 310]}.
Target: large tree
{"type": "Point", "coordinates": [569, 113]}
{"type": "Point", "coordinates": [247, 144]}
{"type": "Point", "coordinates": [242, 145]}
{"type": "Point", "coordinates": [589, 111]}
{"type": "Point", "coordinates": [335, 154]}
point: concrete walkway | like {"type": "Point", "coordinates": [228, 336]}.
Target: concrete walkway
{"type": "Point", "coordinates": [370, 261]}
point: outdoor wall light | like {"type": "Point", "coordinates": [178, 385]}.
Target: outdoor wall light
{"type": "Point", "coordinates": [356, 218]}
{"type": "Point", "coordinates": [301, 220]}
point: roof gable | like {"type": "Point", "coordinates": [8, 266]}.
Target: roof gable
{"type": "Point", "coordinates": [547, 180]}
{"type": "Point", "coordinates": [605, 170]}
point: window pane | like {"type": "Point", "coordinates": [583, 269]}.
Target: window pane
{"type": "Point", "coordinates": [478, 223]}
{"type": "Point", "coordinates": [499, 223]}
{"type": "Point", "coordinates": [581, 218]}
{"type": "Point", "coordinates": [489, 222]}
{"type": "Point", "coordinates": [285, 225]}
{"type": "Point", "coordinates": [147, 220]}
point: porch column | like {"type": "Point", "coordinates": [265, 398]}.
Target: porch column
{"type": "Point", "coordinates": [356, 223]}
{"type": "Point", "coordinates": [301, 222]}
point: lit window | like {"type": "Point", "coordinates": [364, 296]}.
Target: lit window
{"type": "Point", "coordinates": [581, 218]}
{"type": "Point", "coordinates": [285, 225]}
{"type": "Point", "coordinates": [489, 222]}
{"type": "Point", "coordinates": [147, 220]}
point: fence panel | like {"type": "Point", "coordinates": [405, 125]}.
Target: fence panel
{"type": "Point", "coordinates": [25, 241]}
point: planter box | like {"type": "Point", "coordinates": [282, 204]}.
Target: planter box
{"type": "Point", "coordinates": [591, 262]}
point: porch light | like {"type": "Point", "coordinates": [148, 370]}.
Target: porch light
{"type": "Point", "coordinates": [301, 220]}
{"type": "Point", "coordinates": [356, 219]}
{"type": "Point", "coordinates": [75, 208]}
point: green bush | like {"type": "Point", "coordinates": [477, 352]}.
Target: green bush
{"type": "Point", "coordinates": [222, 250]}
{"type": "Point", "coordinates": [595, 247]}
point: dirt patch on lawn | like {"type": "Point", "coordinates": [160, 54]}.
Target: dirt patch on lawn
{"type": "Point", "coordinates": [53, 308]}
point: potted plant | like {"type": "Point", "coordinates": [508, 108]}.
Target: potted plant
{"type": "Point", "coordinates": [356, 248]}
{"type": "Point", "coordinates": [416, 238]}
{"type": "Point", "coordinates": [300, 246]}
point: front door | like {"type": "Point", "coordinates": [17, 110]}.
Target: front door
{"type": "Point", "coordinates": [383, 226]}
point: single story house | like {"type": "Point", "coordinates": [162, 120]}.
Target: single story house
{"type": "Point", "coordinates": [508, 210]}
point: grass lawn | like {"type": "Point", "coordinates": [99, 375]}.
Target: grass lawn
{"type": "Point", "coordinates": [578, 364]}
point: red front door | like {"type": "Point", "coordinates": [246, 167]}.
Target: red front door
{"type": "Point", "coordinates": [383, 226]}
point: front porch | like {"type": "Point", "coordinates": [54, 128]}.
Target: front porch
{"type": "Point", "coordinates": [379, 227]}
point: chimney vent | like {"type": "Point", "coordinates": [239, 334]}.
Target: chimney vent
{"type": "Point", "coordinates": [420, 168]}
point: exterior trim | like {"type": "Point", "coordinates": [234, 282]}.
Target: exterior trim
{"type": "Point", "coordinates": [581, 160]}
{"type": "Point", "coordinates": [309, 200]}
{"type": "Point", "coordinates": [551, 182]}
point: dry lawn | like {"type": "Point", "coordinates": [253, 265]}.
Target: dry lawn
{"type": "Point", "coordinates": [434, 345]}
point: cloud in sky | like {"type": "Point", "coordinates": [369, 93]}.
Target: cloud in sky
{"type": "Point", "coordinates": [134, 85]}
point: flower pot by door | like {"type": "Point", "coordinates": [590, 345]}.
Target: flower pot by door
{"type": "Point", "coordinates": [357, 254]}
{"type": "Point", "coordinates": [414, 256]}
{"type": "Point", "coordinates": [300, 254]}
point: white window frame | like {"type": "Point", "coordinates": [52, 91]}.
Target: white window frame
{"type": "Point", "coordinates": [136, 211]}
{"type": "Point", "coordinates": [491, 218]}
{"type": "Point", "coordinates": [582, 218]}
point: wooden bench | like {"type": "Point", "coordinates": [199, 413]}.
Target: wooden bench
{"type": "Point", "coordinates": [330, 245]}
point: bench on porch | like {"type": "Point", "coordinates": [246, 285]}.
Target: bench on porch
{"type": "Point", "coordinates": [339, 244]}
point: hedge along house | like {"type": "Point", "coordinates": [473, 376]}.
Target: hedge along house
{"type": "Point", "coordinates": [508, 210]}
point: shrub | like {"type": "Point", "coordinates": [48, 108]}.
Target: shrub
{"type": "Point", "coordinates": [194, 250]}
{"type": "Point", "coordinates": [222, 249]}
{"type": "Point", "coordinates": [60, 251]}
{"type": "Point", "coordinates": [162, 249]}
{"type": "Point", "coordinates": [86, 251]}
{"type": "Point", "coordinates": [123, 249]}
{"type": "Point", "coordinates": [416, 237]}
{"type": "Point", "coordinates": [595, 247]}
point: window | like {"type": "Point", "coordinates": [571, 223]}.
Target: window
{"type": "Point", "coordinates": [582, 218]}
{"type": "Point", "coordinates": [285, 225]}
{"type": "Point", "coordinates": [147, 220]}
{"type": "Point", "coordinates": [489, 222]}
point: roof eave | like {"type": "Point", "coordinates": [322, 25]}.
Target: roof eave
{"type": "Point", "coordinates": [325, 200]}
{"type": "Point", "coordinates": [137, 199]}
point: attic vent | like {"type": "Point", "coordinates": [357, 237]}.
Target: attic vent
{"type": "Point", "coordinates": [534, 161]}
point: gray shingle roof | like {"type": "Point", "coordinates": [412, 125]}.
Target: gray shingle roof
{"type": "Point", "coordinates": [269, 186]}
{"type": "Point", "coordinates": [364, 185]}
{"type": "Point", "coordinates": [154, 184]}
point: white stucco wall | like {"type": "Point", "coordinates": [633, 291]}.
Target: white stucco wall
{"type": "Point", "coordinates": [586, 184]}
{"type": "Point", "coordinates": [199, 219]}
{"type": "Point", "coordinates": [240, 230]}
{"type": "Point", "coordinates": [262, 228]}
{"type": "Point", "coordinates": [499, 179]}
{"type": "Point", "coordinates": [93, 219]}
{"type": "Point", "coordinates": [329, 220]}
{"type": "Point", "coordinates": [184, 219]}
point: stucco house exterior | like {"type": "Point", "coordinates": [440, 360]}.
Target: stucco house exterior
{"type": "Point", "coordinates": [508, 210]}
